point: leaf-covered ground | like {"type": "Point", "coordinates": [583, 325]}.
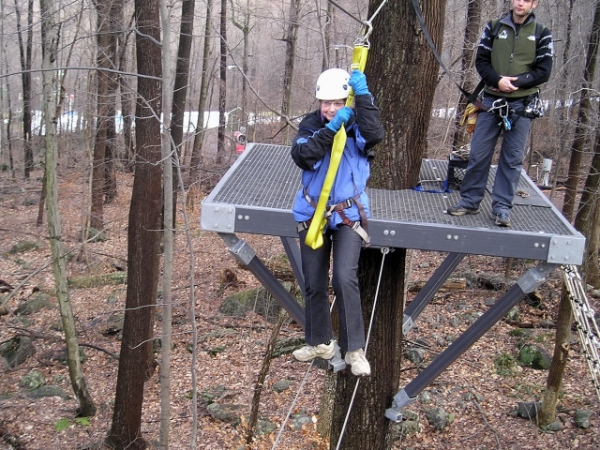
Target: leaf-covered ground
{"type": "Point", "coordinates": [480, 389]}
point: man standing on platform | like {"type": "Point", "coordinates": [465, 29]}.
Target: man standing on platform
{"type": "Point", "coordinates": [514, 58]}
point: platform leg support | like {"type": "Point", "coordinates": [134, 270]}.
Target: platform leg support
{"type": "Point", "coordinates": [431, 288]}
{"type": "Point", "coordinates": [527, 283]}
{"type": "Point", "coordinates": [246, 255]}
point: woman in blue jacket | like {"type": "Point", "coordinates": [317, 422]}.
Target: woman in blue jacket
{"type": "Point", "coordinates": [347, 212]}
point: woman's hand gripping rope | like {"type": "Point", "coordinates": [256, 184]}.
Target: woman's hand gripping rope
{"type": "Point", "coordinates": [314, 236]}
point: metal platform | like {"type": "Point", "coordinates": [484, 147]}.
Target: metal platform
{"type": "Point", "coordinates": [257, 193]}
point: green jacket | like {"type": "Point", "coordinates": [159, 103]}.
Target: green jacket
{"type": "Point", "coordinates": [511, 53]}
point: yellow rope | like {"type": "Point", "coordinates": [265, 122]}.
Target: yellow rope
{"type": "Point", "coordinates": [314, 236]}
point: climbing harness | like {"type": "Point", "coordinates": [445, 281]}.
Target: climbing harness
{"type": "Point", "coordinates": [502, 109]}
{"type": "Point", "coordinates": [586, 323]}
{"type": "Point", "coordinates": [361, 227]}
{"type": "Point", "coordinates": [314, 236]}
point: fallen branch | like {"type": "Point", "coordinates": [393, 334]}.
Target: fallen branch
{"type": "Point", "coordinates": [37, 335]}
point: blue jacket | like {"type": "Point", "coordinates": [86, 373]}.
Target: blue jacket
{"type": "Point", "coordinates": [311, 151]}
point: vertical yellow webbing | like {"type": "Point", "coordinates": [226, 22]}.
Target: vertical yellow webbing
{"type": "Point", "coordinates": [314, 236]}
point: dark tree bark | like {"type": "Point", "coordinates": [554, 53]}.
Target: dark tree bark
{"type": "Point", "coordinates": [245, 28]}
{"type": "Point", "coordinates": [49, 12]}
{"type": "Point", "coordinates": [469, 78]}
{"type": "Point", "coordinates": [400, 63]}
{"type": "Point", "coordinates": [584, 222]}
{"type": "Point", "coordinates": [25, 49]}
{"type": "Point", "coordinates": [143, 237]}
{"type": "Point", "coordinates": [583, 120]}
{"type": "Point", "coordinates": [196, 157]}
{"type": "Point", "coordinates": [290, 38]}
{"type": "Point", "coordinates": [103, 81]}
{"type": "Point", "coordinates": [222, 83]}
{"type": "Point", "coordinates": [110, 155]}
{"type": "Point", "coordinates": [182, 72]}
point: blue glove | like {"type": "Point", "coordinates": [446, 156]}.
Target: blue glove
{"type": "Point", "coordinates": [358, 82]}
{"type": "Point", "coordinates": [341, 117]}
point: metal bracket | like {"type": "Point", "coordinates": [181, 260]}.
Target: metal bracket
{"type": "Point", "coordinates": [337, 363]}
{"type": "Point", "coordinates": [217, 217]}
{"type": "Point", "coordinates": [407, 324]}
{"type": "Point", "coordinates": [401, 400]}
{"type": "Point", "coordinates": [239, 248]}
{"type": "Point", "coordinates": [566, 250]}
{"type": "Point", "coordinates": [530, 280]}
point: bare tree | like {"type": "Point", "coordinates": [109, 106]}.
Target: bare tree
{"type": "Point", "coordinates": [182, 72]}
{"type": "Point", "coordinates": [103, 62]}
{"type": "Point", "coordinates": [196, 157]}
{"type": "Point", "coordinates": [290, 38]}
{"type": "Point", "coordinates": [49, 12]}
{"type": "Point", "coordinates": [25, 48]}
{"type": "Point", "coordinates": [143, 237]}
{"type": "Point", "coordinates": [245, 28]}
{"type": "Point", "coordinates": [584, 222]}
{"type": "Point", "coordinates": [400, 63]}
{"type": "Point", "coordinates": [222, 82]}
{"type": "Point", "coordinates": [584, 120]}
{"type": "Point", "coordinates": [169, 149]}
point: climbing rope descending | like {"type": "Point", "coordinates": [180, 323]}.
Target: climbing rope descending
{"type": "Point", "coordinates": [293, 405]}
{"type": "Point", "coordinates": [586, 322]}
{"type": "Point", "coordinates": [384, 252]}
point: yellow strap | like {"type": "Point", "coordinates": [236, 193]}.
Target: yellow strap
{"type": "Point", "coordinates": [314, 236]}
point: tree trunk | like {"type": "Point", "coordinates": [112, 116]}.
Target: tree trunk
{"type": "Point", "coordinates": [470, 42]}
{"type": "Point", "coordinates": [244, 27]}
{"type": "Point", "coordinates": [50, 45]}
{"type": "Point", "coordinates": [400, 64]}
{"type": "Point", "coordinates": [559, 361]}
{"type": "Point", "coordinates": [222, 83]}
{"type": "Point", "coordinates": [290, 38]}
{"type": "Point", "coordinates": [143, 237]}
{"type": "Point", "coordinates": [562, 93]}
{"type": "Point", "coordinates": [102, 78]}
{"type": "Point", "coordinates": [584, 118]}
{"type": "Point", "coordinates": [196, 157]}
{"type": "Point", "coordinates": [111, 153]}
{"type": "Point", "coordinates": [586, 220]}
{"type": "Point", "coordinates": [180, 89]}
{"type": "Point", "coordinates": [583, 220]}
{"type": "Point", "coordinates": [169, 185]}
{"type": "Point", "coordinates": [367, 427]}
{"type": "Point", "coordinates": [25, 49]}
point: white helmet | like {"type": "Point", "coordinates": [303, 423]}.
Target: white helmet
{"type": "Point", "coordinates": [333, 85]}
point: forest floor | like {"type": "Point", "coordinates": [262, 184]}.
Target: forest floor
{"type": "Point", "coordinates": [232, 355]}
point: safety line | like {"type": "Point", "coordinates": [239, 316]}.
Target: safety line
{"type": "Point", "coordinates": [289, 413]}
{"type": "Point", "coordinates": [384, 251]}
{"type": "Point", "coordinates": [471, 97]}
{"type": "Point", "coordinates": [587, 328]}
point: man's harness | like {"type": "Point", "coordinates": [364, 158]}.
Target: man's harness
{"type": "Point", "coordinates": [361, 227]}
{"type": "Point", "coordinates": [534, 108]}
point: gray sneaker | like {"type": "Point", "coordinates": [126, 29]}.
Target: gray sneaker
{"type": "Point", "coordinates": [459, 210]}
{"type": "Point", "coordinates": [308, 352]}
{"type": "Point", "coordinates": [502, 220]}
{"type": "Point", "coordinates": [358, 363]}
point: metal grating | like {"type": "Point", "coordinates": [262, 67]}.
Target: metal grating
{"type": "Point", "coordinates": [267, 178]}
{"type": "Point", "coordinates": [263, 182]}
